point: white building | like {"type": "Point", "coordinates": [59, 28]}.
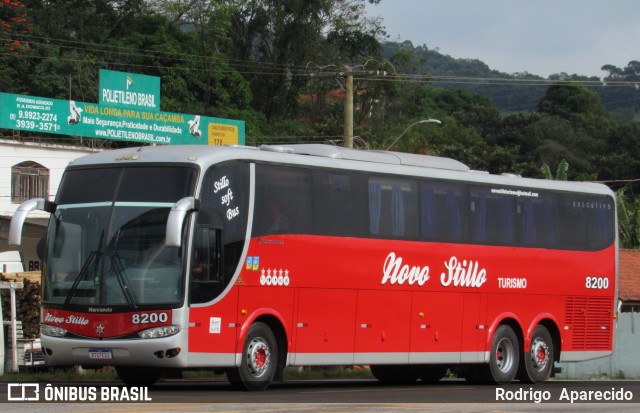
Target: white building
{"type": "Point", "coordinates": [31, 170]}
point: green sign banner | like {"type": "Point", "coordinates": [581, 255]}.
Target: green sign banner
{"type": "Point", "coordinates": [68, 117]}
{"type": "Point", "coordinates": [129, 90]}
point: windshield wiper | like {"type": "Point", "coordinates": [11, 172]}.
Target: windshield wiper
{"type": "Point", "coordinates": [85, 269]}
{"type": "Point", "coordinates": [118, 270]}
{"type": "Point", "coordinates": [83, 272]}
{"type": "Point", "coordinates": [116, 267]}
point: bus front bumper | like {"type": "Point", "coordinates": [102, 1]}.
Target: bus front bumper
{"type": "Point", "coordinates": [165, 352]}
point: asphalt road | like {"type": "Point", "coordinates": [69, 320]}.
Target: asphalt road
{"type": "Point", "coordinates": [331, 396]}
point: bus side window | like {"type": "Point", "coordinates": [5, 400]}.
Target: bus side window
{"type": "Point", "coordinates": [441, 207]}
{"type": "Point", "coordinates": [393, 207]}
{"type": "Point", "coordinates": [206, 276]}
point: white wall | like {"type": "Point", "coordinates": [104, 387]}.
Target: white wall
{"type": "Point", "coordinates": [53, 157]}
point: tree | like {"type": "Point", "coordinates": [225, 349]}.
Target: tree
{"type": "Point", "coordinates": [15, 22]}
{"type": "Point", "coordinates": [561, 172]}
{"type": "Point", "coordinates": [630, 73]}
{"type": "Point", "coordinates": [619, 161]}
{"type": "Point", "coordinates": [628, 218]}
{"type": "Point", "coordinates": [68, 40]}
{"type": "Point", "coordinates": [574, 127]}
{"type": "Point", "coordinates": [72, 40]}
{"type": "Point", "coordinates": [15, 26]}
{"type": "Point", "coordinates": [273, 43]}
{"type": "Point", "coordinates": [625, 98]}
{"type": "Point", "coordinates": [571, 101]}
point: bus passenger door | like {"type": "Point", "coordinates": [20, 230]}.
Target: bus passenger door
{"type": "Point", "coordinates": [436, 327]}
{"type": "Point", "coordinates": [324, 331]}
{"type": "Point", "coordinates": [382, 327]}
{"type": "Point", "coordinates": [213, 328]}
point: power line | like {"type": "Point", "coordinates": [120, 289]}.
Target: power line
{"type": "Point", "coordinates": [253, 67]}
{"type": "Point", "coordinates": [138, 52]}
{"type": "Point", "coordinates": [261, 69]}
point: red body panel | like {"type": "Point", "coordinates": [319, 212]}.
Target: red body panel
{"type": "Point", "coordinates": [206, 335]}
{"type": "Point", "coordinates": [437, 327]}
{"type": "Point", "coordinates": [344, 295]}
{"type": "Point", "coordinates": [330, 327]}
{"type": "Point", "coordinates": [382, 322]}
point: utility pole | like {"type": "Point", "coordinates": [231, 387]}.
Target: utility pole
{"type": "Point", "coordinates": [348, 108]}
{"type": "Point", "coordinates": [348, 74]}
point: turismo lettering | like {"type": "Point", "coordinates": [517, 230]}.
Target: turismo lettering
{"type": "Point", "coordinates": [512, 283]}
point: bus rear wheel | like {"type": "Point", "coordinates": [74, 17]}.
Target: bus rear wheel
{"type": "Point", "coordinates": [505, 356]}
{"type": "Point", "coordinates": [537, 364]}
{"type": "Point", "coordinates": [259, 360]}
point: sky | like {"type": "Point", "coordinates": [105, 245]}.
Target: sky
{"type": "Point", "coordinates": [542, 37]}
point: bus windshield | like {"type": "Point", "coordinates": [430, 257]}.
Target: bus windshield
{"type": "Point", "coordinates": [105, 242]}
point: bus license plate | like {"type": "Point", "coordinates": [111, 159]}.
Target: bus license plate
{"type": "Point", "coordinates": [102, 354]}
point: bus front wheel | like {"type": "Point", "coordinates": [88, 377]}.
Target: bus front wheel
{"type": "Point", "coordinates": [538, 362]}
{"type": "Point", "coordinates": [259, 360]}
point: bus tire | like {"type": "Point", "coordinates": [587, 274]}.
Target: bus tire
{"type": "Point", "coordinates": [505, 355]}
{"type": "Point", "coordinates": [537, 363]}
{"type": "Point", "coordinates": [139, 376]}
{"type": "Point", "coordinates": [259, 360]}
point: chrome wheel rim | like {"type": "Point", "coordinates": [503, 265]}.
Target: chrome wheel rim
{"type": "Point", "coordinates": [539, 354]}
{"type": "Point", "coordinates": [505, 353]}
{"type": "Point", "coordinates": [258, 357]}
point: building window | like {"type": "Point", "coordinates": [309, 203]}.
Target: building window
{"type": "Point", "coordinates": [29, 180]}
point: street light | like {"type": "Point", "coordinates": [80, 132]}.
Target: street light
{"type": "Point", "coordinates": [412, 125]}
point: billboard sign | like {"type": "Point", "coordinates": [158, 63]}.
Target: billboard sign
{"type": "Point", "coordinates": [129, 90]}
{"type": "Point", "coordinates": [122, 123]}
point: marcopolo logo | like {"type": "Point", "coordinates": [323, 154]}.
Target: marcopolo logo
{"type": "Point", "coordinates": [33, 392]}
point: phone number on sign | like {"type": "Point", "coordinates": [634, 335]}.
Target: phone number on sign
{"type": "Point", "coordinates": [41, 126]}
{"type": "Point", "coordinates": [46, 117]}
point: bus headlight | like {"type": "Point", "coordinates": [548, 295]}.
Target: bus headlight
{"type": "Point", "coordinates": [53, 331]}
{"type": "Point", "coordinates": [158, 332]}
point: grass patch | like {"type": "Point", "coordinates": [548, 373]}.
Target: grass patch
{"type": "Point", "coordinates": [56, 375]}
{"type": "Point", "coordinates": [108, 373]}
{"type": "Point", "coordinates": [328, 372]}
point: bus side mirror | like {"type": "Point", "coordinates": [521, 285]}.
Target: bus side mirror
{"type": "Point", "coordinates": [17, 222]}
{"type": "Point", "coordinates": [176, 219]}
